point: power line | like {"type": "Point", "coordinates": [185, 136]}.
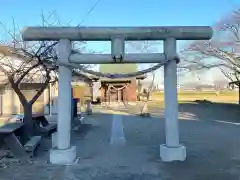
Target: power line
{"type": "Point", "coordinates": [89, 12]}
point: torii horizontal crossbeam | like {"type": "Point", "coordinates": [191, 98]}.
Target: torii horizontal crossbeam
{"type": "Point", "coordinates": [128, 58]}
{"type": "Point", "coordinates": [108, 33]}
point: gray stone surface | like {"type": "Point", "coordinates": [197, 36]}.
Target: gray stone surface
{"type": "Point", "coordinates": [213, 152]}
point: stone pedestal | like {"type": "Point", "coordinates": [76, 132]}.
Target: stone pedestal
{"type": "Point", "coordinates": [63, 156]}
{"type": "Point", "coordinates": [169, 154]}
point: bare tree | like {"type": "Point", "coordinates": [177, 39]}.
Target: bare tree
{"type": "Point", "coordinates": [28, 62]}
{"type": "Point", "coordinates": [144, 47]}
{"type": "Point", "coordinates": [144, 109]}
{"type": "Point", "coordinates": [23, 65]}
{"type": "Point", "coordinates": [222, 51]}
{"type": "Point", "coordinates": [139, 88]}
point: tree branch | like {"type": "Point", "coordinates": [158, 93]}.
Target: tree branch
{"type": "Point", "coordinates": [43, 87]}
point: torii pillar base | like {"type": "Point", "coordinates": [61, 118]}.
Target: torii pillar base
{"type": "Point", "coordinates": [63, 156]}
{"type": "Point", "coordinates": [169, 154]}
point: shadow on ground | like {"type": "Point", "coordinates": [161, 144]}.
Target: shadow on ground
{"type": "Point", "coordinates": [212, 150]}
{"type": "Point", "coordinates": [206, 110]}
{"type": "Point", "coordinates": [197, 110]}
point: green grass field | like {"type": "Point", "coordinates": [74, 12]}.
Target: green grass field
{"type": "Point", "coordinates": [223, 96]}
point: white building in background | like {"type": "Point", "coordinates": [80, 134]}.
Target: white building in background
{"type": "Point", "coordinates": [9, 101]}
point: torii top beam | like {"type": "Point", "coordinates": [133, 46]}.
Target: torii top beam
{"type": "Point", "coordinates": [108, 33]}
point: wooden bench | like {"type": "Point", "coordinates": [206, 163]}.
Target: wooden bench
{"type": "Point", "coordinates": [31, 146]}
{"type": "Point", "coordinates": [11, 136]}
{"type": "Point", "coordinates": [45, 127]}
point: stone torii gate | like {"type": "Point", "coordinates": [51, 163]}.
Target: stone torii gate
{"type": "Point", "coordinates": [172, 150]}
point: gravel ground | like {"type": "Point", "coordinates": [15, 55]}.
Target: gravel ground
{"type": "Point", "coordinates": [212, 153]}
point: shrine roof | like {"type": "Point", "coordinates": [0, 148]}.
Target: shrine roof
{"type": "Point", "coordinates": [118, 68]}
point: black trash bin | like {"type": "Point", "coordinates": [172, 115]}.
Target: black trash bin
{"type": "Point", "coordinates": [75, 102]}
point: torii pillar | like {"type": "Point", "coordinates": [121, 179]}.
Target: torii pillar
{"type": "Point", "coordinates": [172, 150]}
{"type": "Point", "coordinates": [64, 153]}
